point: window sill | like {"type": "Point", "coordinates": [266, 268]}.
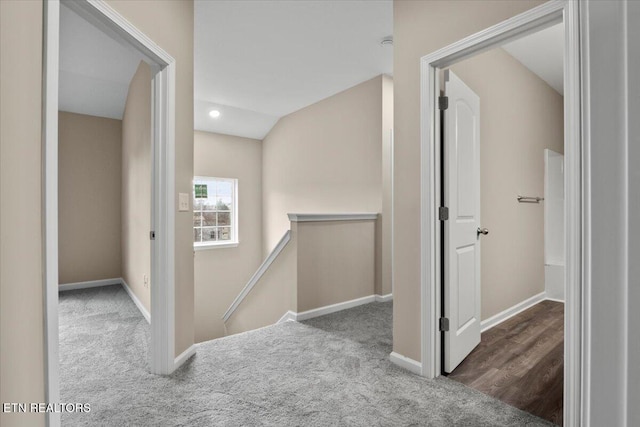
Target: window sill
{"type": "Point", "coordinates": [216, 246]}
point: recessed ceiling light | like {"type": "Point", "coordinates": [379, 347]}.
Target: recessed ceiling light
{"type": "Point", "coordinates": [214, 113]}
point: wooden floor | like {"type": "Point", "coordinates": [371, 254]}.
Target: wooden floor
{"type": "Point", "coordinates": [520, 361]}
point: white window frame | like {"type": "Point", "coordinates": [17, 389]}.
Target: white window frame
{"type": "Point", "coordinates": [234, 241]}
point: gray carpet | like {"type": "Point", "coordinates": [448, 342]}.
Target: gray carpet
{"type": "Point", "coordinates": [328, 371]}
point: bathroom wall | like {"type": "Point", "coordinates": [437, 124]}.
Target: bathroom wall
{"type": "Point", "coordinates": [554, 236]}
{"type": "Point", "coordinates": [420, 28]}
{"type": "Point", "coordinates": [520, 116]}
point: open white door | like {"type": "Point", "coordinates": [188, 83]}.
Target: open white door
{"type": "Point", "coordinates": [462, 230]}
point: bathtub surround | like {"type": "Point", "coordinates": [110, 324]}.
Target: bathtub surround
{"type": "Point", "coordinates": [554, 225]}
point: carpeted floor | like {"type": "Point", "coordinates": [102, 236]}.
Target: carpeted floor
{"type": "Point", "coordinates": [328, 371]}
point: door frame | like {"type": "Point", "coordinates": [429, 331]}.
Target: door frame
{"type": "Point", "coordinates": [538, 18]}
{"type": "Point", "coordinates": [99, 13]}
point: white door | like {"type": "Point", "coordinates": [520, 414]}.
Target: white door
{"type": "Point", "coordinates": [462, 230]}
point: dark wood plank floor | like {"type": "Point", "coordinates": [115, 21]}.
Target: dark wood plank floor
{"type": "Point", "coordinates": [521, 361]}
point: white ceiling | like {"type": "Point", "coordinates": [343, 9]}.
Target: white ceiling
{"type": "Point", "coordinates": [256, 61]}
{"type": "Point", "coordinates": [95, 70]}
{"type": "Point", "coordinates": [542, 53]}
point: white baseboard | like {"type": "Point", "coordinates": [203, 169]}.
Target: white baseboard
{"type": "Point", "coordinates": [89, 284]}
{"type": "Point", "coordinates": [328, 309]}
{"type": "Point", "coordinates": [136, 301]}
{"type": "Point", "coordinates": [333, 308]}
{"type": "Point", "coordinates": [489, 323]}
{"type": "Point", "coordinates": [384, 298]}
{"type": "Point", "coordinates": [289, 316]}
{"type": "Point", "coordinates": [555, 299]}
{"type": "Point", "coordinates": [184, 356]}
{"type": "Point", "coordinates": [406, 363]}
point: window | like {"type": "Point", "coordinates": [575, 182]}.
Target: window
{"type": "Point", "coordinates": [215, 212]}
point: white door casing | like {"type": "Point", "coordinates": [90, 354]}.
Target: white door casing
{"type": "Point", "coordinates": [461, 238]}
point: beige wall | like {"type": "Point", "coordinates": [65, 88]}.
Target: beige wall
{"type": "Point", "coordinates": [169, 24]}
{"type": "Point", "coordinates": [136, 185]}
{"type": "Point", "coordinates": [221, 273]}
{"type": "Point", "coordinates": [272, 296]}
{"type": "Point", "coordinates": [89, 180]}
{"type": "Point", "coordinates": [22, 337]}
{"type": "Point", "coordinates": [421, 28]}
{"type": "Point", "coordinates": [520, 116]}
{"type": "Point", "coordinates": [336, 262]}
{"type": "Point", "coordinates": [21, 296]}
{"type": "Point", "coordinates": [324, 263]}
{"type": "Point", "coordinates": [325, 158]}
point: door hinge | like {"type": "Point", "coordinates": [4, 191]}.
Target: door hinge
{"type": "Point", "coordinates": [443, 102]}
{"type": "Point", "coordinates": [443, 213]}
{"type": "Point", "coordinates": [152, 235]}
{"type": "Point", "coordinates": [444, 324]}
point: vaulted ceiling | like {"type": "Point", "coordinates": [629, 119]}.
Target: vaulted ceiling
{"type": "Point", "coordinates": [95, 70]}
{"type": "Point", "coordinates": [543, 53]}
{"type": "Point", "coordinates": [256, 61]}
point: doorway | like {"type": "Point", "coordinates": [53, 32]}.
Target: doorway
{"type": "Point", "coordinates": [105, 18]}
{"type": "Point", "coordinates": [503, 241]}
{"type": "Point", "coordinates": [433, 263]}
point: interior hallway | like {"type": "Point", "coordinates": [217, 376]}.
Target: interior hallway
{"type": "Point", "coordinates": [331, 370]}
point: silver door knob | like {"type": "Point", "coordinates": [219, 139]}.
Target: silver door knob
{"type": "Point", "coordinates": [484, 231]}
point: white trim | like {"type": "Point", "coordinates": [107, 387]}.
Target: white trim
{"type": "Point", "coordinates": [206, 247]}
{"type": "Point", "coordinates": [163, 222]}
{"type": "Point", "coordinates": [554, 299]}
{"type": "Point", "coordinates": [533, 20]}
{"type": "Point", "coordinates": [576, 171]}
{"type": "Point", "coordinates": [495, 320]}
{"type": "Point", "coordinates": [184, 356]}
{"type": "Point", "coordinates": [103, 16]}
{"type": "Point", "coordinates": [289, 316]}
{"type": "Point", "coordinates": [136, 300]}
{"type": "Point", "coordinates": [581, 380]}
{"type": "Point", "coordinates": [333, 308]}
{"type": "Point", "coordinates": [163, 169]}
{"type": "Point", "coordinates": [406, 363]}
{"type": "Point", "coordinates": [316, 217]}
{"type": "Point", "coordinates": [257, 275]}
{"type": "Point", "coordinates": [383, 298]}
{"type": "Point", "coordinates": [235, 233]}
{"type": "Point", "coordinates": [51, 29]}
{"type": "Point", "coordinates": [89, 284]}
{"type": "Point", "coordinates": [393, 238]}
{"type": "Point", "coordinates": [328, 309]}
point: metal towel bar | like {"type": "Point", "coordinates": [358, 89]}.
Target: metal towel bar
{"type": "Point", "coordinates": [529, 199]}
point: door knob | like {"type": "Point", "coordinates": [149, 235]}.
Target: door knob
{"type": "Point", "coordinates": [484, 231]}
